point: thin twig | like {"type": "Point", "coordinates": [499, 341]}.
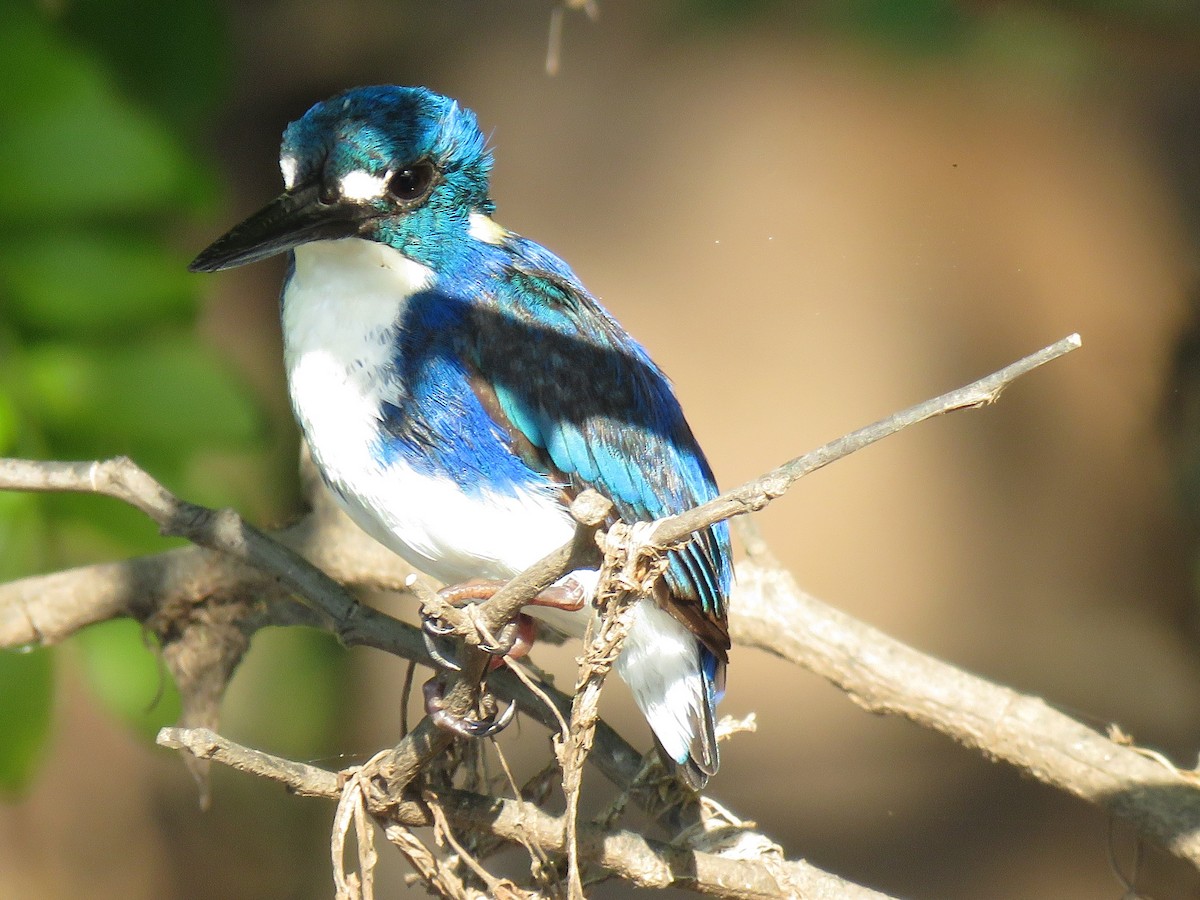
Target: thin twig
{"type": "Point", "coordinates": [442, 828]}
{"type": "Point", "coordinates": [406, 696]}
{"type": "Point", "coordinates": [539, 863]}
{"type": "Point", "coordinates": [756, 494]}
{"type": "Point", "coordinates": [351, 810]}
{"type": "Point", "coordinates": [624, 579]}
{"type": "Point", "coordinates": [519, 670]}
{"type": "Point", "coordinates": [436, 875]}
{"type": "Point", "coordinates": [203, 743]}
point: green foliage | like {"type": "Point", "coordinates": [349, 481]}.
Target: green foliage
{"type": "Point", "coordinates": [300, 676]}
{"type": "Point", "coordinates": [114, 282]}
{"type": "Point", "coordinates": [123, 669]}
{"type": "Point", "coordinates": [74, 146]}
{"type": "Point", "coordinates": [26, 685]}
{"type": "Point", "coordinates": [8, 424]}
{"type": "Point", "coordinates": [919, 25]}
{"type": "Point", "coordinates": [170, 57]}
{"type": "Point", "coordinates": [151, 398]}
{"type": "Point", "coordinates": [98, 356]}
{"type": "Point", "coordinates": [22, 535]}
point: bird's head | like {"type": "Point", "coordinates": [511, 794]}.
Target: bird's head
{"type": "Point", "coordinates": [403, 166]}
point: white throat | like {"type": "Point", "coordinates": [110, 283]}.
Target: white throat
{"type": "Point", "coordinates": [339, 310]}
{"type": "Point", "coordinates": [342, 298]}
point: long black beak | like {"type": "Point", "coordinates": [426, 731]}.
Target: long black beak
{"type": "Point", "coordinates": [291, 219]}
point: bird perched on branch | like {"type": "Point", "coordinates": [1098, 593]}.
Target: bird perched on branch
{"type": "Point", "coordinates": [457, 386]}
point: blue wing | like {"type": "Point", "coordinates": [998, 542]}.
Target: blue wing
{"type": "Point", "coordinates": [590, 402]}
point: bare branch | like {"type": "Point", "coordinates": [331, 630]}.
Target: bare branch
{"type": "Point", "coordinates": [202, 743]}
{"type": "Point", "coordinates": [641, 861]}
{"type": "Point", "coordinates": [223, 530]}
{"type": "Point", "coordinates": [46, 609]}
{"type": "Point", "coordinates": [436, 875]}
{"type": "Point", "coordinates": [882, 675]}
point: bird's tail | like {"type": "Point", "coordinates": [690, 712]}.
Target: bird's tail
{"type": "Point", "coordinates": [676, 682]}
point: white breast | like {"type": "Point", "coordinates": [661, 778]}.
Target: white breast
{"type": "Point", "coordinates": [340, 310]}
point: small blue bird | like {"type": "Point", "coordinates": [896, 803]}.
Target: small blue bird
{"type": "Point", "coordinates": [458, 386]}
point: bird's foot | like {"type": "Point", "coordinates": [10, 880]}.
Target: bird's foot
{"type": "Point", "coordinates": [566, 594]}
{"type": "Point", "coordinates": [476, 589]}
{"type": "Point", "coordinates": [463, 725]}
{"type": "Point", "coordinates": [438, 642]}
{"type": "Point", "coordinates": [438, 635]}
{"type": "Point", "coordinates": [515, 639]}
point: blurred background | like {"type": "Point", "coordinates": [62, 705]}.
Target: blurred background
{"type": "Point", "coordinates": [812, 214]}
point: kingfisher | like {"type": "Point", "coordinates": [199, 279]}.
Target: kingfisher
{"type": "Point", "coordinates": [458, 386]}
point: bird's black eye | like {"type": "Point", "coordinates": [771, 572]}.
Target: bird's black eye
{"type": "Point", "coordinates": [411, 184]}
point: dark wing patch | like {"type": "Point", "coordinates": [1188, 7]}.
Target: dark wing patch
{"type": "Point", "coordinates": [584, 400]}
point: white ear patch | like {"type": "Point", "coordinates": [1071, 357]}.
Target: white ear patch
{"type": "Point", "coordinates": [287, 166]}
{"type": "Point", "coordinates": [485, 229]}
{"type": "Point", "coordinates": [360, 185]}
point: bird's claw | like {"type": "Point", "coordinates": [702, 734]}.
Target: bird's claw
{"type": "Point", "coordinates": [436, 627]}
{"type": "Point", "coordinates": [435, 633]}
{"type": "Point", "coordinates": [461, 725]}
{"type": "Point", "coordinates": [508, 637]}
